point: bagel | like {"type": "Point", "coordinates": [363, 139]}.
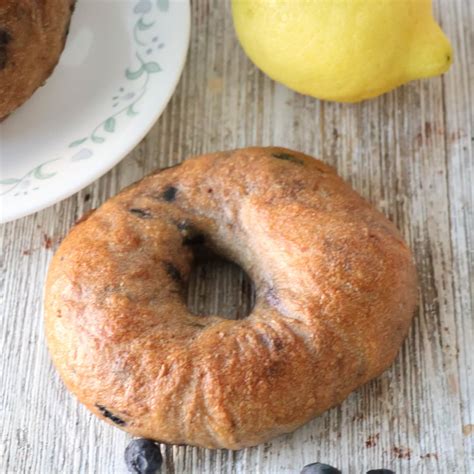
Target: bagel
{"type": "Point", "coordinates": [32, 37]}
{"type": "Point", "coordinates": [335, 293]}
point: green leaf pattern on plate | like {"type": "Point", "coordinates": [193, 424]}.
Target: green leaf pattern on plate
{"type": "Point", "coordinates": [39, 173]}
{"type": "Point", "coordinates": [138, 77]}
{"type": "Point", "coordinates": [132, 75]}
{"type": "Point", "coordinates": [22, 184]}
{"type": "Point", "coordinates": [109, 125]}
{"type": "Point", "coordinates": [78, 142]}
{"type": "Point", "coordinates": [10, 181]}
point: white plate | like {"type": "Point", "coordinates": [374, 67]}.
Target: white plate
{"type": "Point", "coordinates": [120, 67]}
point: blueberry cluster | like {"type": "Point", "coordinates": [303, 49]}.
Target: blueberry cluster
{"type": "Point", "coordinates": [143, 456]}
{"type": "Point", "coordinates": [320, 468]}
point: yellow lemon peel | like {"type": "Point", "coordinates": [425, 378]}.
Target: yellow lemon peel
{"type": "Point", "coordinates": [342, 50]}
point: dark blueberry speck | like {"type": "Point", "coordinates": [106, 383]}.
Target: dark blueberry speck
{"type": "Point", "coordinates": [141, 213]}
{"type": "Point", "coordinates": [173, 272]}
{"type": "Point", "coordinates": [143, 456]}
{"type": "Point", "coordinates": [107, 414]}
{"type": "Point", "coordinates": [3, 57]}
{"type": "Point", "coordinates": [287, 157]}
{"type": "Point", "coordinates": [380, 471]}
{"type": "Point", "coordinates": [197, 239]}
{"type": "Point", "coordinates": [319, 468]}
{"type": "Point", "coordinates": [169, 194]}
{"type": "Point", "coordinates": [5, 37]}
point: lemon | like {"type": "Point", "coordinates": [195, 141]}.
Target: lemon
{"type": "Point", "coordinates": [342, 50]}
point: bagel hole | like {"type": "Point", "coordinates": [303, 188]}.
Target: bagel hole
{"type": "Point", "coordinates": [219, 287]}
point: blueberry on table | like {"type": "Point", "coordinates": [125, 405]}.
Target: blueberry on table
{"type": "Point", "coordinates": [143, 456]}
{"type": "Point", "coordinates": [380, 471]}
{"type": "Point", "coordinates": [319, 468]}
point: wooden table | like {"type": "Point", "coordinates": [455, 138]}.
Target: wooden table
{"type": "Point", "coordinates": [409, 152]}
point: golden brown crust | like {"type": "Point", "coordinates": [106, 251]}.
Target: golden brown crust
{"type": "Point", "coordinates": [336, 291]}
{"type": "Point", "coordinates": [32, 37]}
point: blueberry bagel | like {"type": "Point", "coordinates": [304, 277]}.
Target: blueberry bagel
{"type": "Point", "coordinates": [32, 37]}
{"type": "Point", "coordinates": [335, 285]}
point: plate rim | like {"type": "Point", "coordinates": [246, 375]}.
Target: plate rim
{"type": "Point", "coordinates": [6, 217]}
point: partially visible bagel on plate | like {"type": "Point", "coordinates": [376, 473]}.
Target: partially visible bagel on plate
{"type": "Point", "coordinates": [335, 294]}
{"type": "Point", "coordinates": [32, 37]}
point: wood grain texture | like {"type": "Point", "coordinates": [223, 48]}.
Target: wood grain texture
{"type": "Point", "coordinates": [409, 152]}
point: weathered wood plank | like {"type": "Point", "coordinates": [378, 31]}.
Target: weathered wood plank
{"type": "Point", "coordinates": [409, 152]}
